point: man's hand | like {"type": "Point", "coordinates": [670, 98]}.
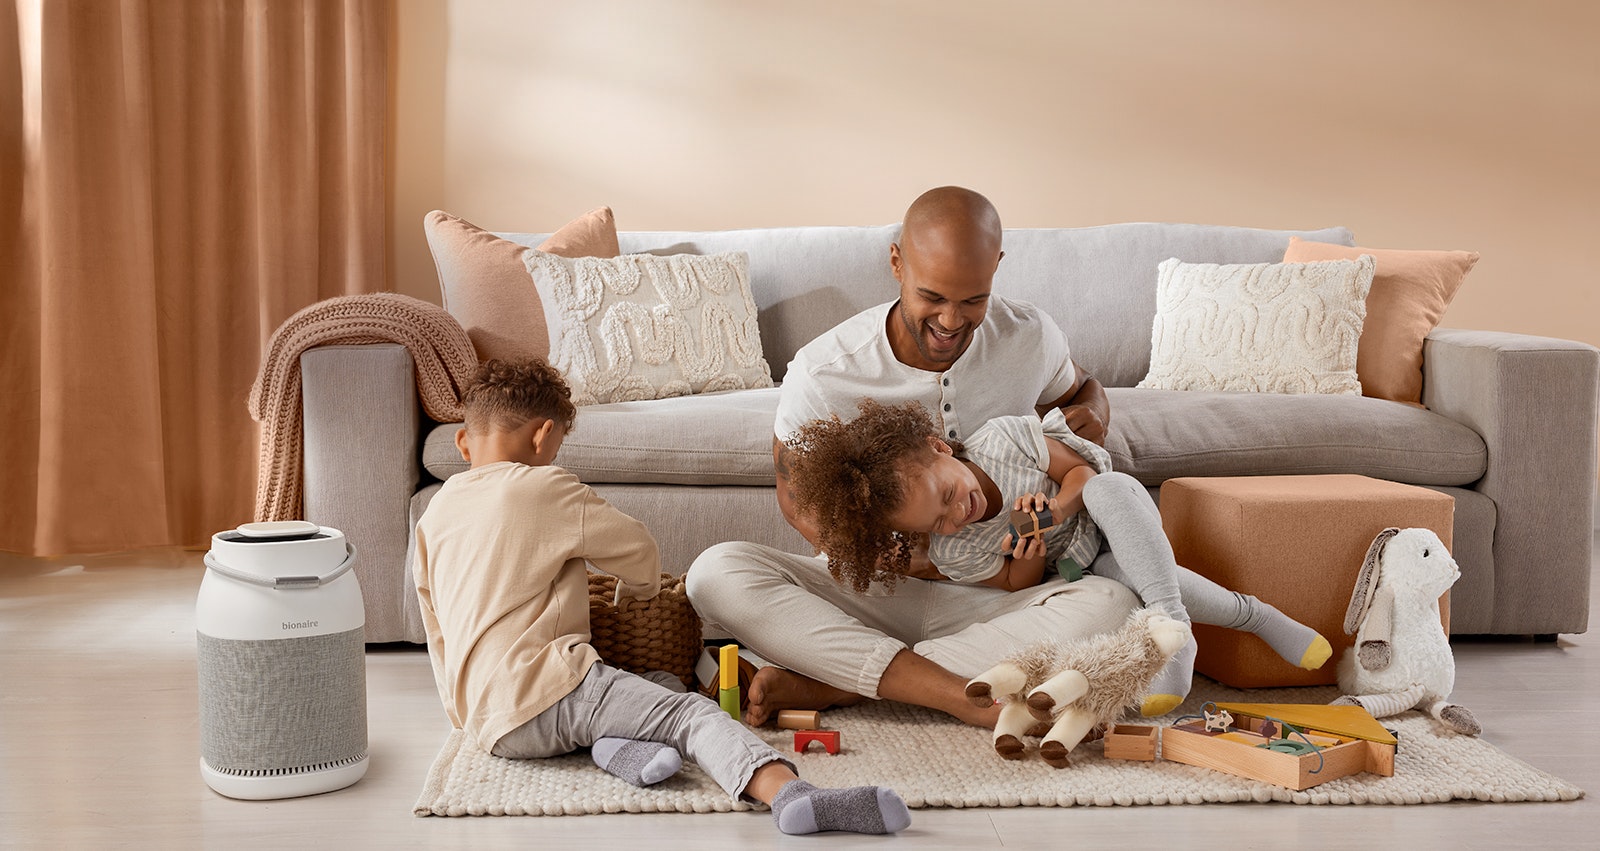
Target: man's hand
{"type": "Point", "coordinates": [1085, 422]}
{"type": "Point", "coordinates": [1085, 406]}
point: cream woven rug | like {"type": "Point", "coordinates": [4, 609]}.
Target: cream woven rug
{"type": "Point", "coordinates": [935, 761]}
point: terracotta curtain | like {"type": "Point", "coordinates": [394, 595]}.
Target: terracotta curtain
{"type": "Point", "coordinates": [177, 177]}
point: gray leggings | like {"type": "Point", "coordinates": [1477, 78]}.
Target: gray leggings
{"type": "Point", "coordinates": [616, 703]}
{"type": "Point", "coordinates": [1137, 554]}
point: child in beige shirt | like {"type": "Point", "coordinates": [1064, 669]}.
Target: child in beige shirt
{"type": "Point", "coordinates": [501, 578]}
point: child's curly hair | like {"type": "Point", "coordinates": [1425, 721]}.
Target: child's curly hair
{"type": "Point", "coordinates": [505, 394]}
{"type": "Point", "coordinates": [850, 476]}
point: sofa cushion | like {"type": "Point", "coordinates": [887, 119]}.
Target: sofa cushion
{"type": "Point", "coordinates": [1259, 327]}
{"type": "Point", "coordinates": [1410, 292]}
{"type": "Point", "coordinates": [484, 281]}
{"type": "Point", "coordinates": [804, 280]}
{"type": "Point", "coordinates": [709, 439]}
{"type": "Point", "coordinates": [640, 327]}
{"type": "Point", "coordinates": [1156, 435]}
{"type": "Point", "coordinates": [726, 439]}
{"type": "Point", "coordinates": [1099, 283]}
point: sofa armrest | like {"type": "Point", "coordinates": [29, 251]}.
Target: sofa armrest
{"type": "Point", "coordinates": [1534, 401]}
{"type": "Point", "coordinates": [362, 463]}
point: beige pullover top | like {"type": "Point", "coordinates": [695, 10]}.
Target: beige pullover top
{"type": "Point", "coordinates": [504, 592]}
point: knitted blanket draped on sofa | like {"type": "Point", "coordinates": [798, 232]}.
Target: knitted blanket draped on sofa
{"type": "Point", "coordinates": [439, 347]}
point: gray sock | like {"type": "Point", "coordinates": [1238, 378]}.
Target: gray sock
{"type": "Point", "coordinates": [639, 763]}
{"type": "Point", "coordinates": [800, 807]}
{"type": "Point", "coordinates": [1297, 643]}
{"type": "Point", "coordinates": [1213, 604]}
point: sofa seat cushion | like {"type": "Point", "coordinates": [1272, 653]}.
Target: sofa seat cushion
{"type": "Point", "coordinates": [1156, 435]}
{"type": "Point", "coordinates": [726, 439]}
{"type": "Point", "coordinates": [707, 439]}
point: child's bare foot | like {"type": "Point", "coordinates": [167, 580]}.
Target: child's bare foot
{"type": "Point", "coordinates": [774, 689]}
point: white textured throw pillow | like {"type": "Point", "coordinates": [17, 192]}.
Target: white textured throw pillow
{"type": "Point", "coordinates": [1260, 327]}
{"type": "Point", "coordinates": [643, 326]}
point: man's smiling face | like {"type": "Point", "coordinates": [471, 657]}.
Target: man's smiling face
{"type": "Point", "coordinates": [944, 295]}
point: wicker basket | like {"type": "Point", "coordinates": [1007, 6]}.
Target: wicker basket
{"type": "Point", "coordinates": [662, 634]}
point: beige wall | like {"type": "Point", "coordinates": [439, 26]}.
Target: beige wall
{"type": "Point", "coordinates": [1417, 124]}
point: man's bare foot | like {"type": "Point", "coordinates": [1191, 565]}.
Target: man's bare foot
{"type": "Point", "coordinates": [774, 689]}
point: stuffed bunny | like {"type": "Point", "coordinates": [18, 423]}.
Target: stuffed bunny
{"type": "Point", "coordinates": [1077, 684]}
{"type": "Point", "coordinates": [1401, 659]}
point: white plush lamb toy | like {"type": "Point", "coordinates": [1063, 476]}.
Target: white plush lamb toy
{"type": "Point", "coordinates": [1076, 684]}
{"type": "Point", "coordinates": [1401, 659]}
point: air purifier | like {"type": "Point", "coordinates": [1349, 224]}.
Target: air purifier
{"type": "Point", "coordinates": [283, 682]}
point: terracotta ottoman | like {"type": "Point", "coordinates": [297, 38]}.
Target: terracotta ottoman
{"type": "Point", "coordinates": [1296, 542]}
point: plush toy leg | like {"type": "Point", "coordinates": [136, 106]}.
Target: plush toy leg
{"type": "Point", "coordinates": [1059, 690]}
{"type": "Point", "coordinates": [1068, 731]}
{"type": "Point", "coordinates": [1009, 730]}
{"type": "Point", "coordinates": [1455, 716]}
{"type": "Point", "coordinates": [1001, 680]}
{"type": "Point", "coordinates": [1384, 705]}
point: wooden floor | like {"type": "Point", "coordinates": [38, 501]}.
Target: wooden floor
{"type": "Point", "coordinates": [99, 748]}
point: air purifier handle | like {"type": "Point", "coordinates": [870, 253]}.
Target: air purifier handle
{"type": "Point", "coordinates": [286, 582]}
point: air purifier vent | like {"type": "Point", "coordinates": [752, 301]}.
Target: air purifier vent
{"type": "Point", "coordinates": [284, 772]}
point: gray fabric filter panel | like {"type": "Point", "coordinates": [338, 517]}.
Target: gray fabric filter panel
{"type": "Point", "coordinates": [282, 704]}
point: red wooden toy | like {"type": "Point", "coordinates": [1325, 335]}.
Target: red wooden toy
{"type": "Point", "coordinates": [828, 738]}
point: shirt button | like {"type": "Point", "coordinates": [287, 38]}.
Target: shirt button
{"type": "Point", "coordinates": [952, 432]}
{"type": "Point", "coordinates": [947, 407]}
{"type": "Point", "coordinates": [946, 382]}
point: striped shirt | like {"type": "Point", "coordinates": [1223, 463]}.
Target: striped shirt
{"type": "Point", "coordinates": [1012, 451]}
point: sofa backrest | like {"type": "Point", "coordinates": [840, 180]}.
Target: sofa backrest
{"type": "Point", "coordinates": [1098, 282]}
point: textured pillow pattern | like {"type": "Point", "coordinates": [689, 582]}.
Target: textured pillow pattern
{"type": "Point", "coordinates": [1261, 327]}
{"type": "Point", "coordinates": [643, 326]}
{"type": "Point", "coordinates": [1410, 291]}
{"type": "Point", "coordinates": [485, 284]}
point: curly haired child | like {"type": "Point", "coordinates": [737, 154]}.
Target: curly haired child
{"type": "Point", "coordinates": [884, 481]}
{"type": "Point", "coordinates": [504, 593]}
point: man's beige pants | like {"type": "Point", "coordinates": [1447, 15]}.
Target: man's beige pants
{"type": "Point", "coordinates": [789, 610]}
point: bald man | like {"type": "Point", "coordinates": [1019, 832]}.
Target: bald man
{"type": "Point", "coordinates": [967, 356]}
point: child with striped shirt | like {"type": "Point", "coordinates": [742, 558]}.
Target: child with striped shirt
{"type": "Point", "coordinates": [882, 484]}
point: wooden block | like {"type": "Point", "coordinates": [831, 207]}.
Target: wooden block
{"type": "Point", "coordinates": [799, 719]}
{"type": "Point", "coordinates": [1125, 741]}
{"type": "Point", "coordinates": [1026, 524]}
{"type": "Point", "coordinates": [829, 739]}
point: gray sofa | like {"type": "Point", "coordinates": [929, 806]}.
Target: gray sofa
{"type": "Point", "coordinates": [1508, 431]}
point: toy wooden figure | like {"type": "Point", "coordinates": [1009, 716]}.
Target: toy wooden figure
{"type": "Point", "coordinates": [1219, 721]}
{"type": "Point", "coordinates": [1027, 524]}
{"type": "Point", "coordinates": [828, 738]}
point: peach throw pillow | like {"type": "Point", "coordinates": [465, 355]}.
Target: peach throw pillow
{"type": "Point", "coordinates": [1410, 291]}
{"type": "Point", "coordinates": [486, 285]}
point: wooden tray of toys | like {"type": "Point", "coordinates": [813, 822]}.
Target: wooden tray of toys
{"type": "Point", "coordinates": [1297, 746]}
